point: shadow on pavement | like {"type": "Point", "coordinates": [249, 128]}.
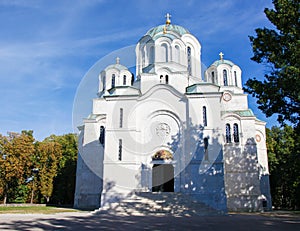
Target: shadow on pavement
{"type": "Point", "coordinates": [105, 221]}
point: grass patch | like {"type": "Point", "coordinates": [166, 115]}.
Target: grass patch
{"type": "Point", "coordinates": [35, 209]}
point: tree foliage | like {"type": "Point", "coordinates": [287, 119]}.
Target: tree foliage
{"type": "Point", "coordinates": [284, 163]}
{"type": "Point", "coordinates": [48, 155]}
{"type": "Point", "coordinates": [279, 48]}
{"type": "Point", "coordinates": [33, 171]}
{"type": "Point", "coordinates": [64, 183]}
{"type": "Point", "coordinates": [15, 161]}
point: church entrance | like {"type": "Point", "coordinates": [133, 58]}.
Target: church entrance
{"type": "Point", "coordinates": [163, 178]}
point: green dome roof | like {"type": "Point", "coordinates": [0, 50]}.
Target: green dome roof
{"type": "Point", "coordinates": [116, 66]}
{"type": "Point", "coordinates": [223, 61]}
{"type": "Point", "coordinates": [158, 31]}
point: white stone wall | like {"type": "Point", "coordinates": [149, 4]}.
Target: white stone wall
{"type": "Point", "coordinates": [168, 115]}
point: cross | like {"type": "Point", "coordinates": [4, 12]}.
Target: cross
{"type": "Point", "coordinates": [168, 16]}
{"type": "Point", "coordinates": [221, 55]}
{"type": "Point", "coordinates": [117, 60]}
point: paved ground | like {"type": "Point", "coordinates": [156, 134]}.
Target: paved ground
{"type": "Point", "coordinates": [105, 221]}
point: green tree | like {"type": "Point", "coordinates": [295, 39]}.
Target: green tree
{"type": "Point", "coordinates": [279, 48]}
{"type": "Point", "coordinates": [16, 151]}
{"type": "Point", "coordinates": [64, 182]}
{"type": "Point", "coordinates": [48, 154]}
{"type": "Point", "coordinates": [284, 167]}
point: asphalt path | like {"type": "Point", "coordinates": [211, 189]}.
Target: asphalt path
{"type": "Point", "coordinates": [105, 221]}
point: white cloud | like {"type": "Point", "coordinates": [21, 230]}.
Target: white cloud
{"type": "Point", "coordinates": [48, 47]}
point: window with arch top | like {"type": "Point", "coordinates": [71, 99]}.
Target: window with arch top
{"type": "Point", "coordinates": [177, 54]}
{"type": "Point", "coordinates": [121, 118]}
{"type": "Point", "coordinates": [204, 116]}
{"type": "Point", "coordinates": [235, 79]}
{"type": "Point", "coordinates": [225, 77]}
{"type": "Point", "coordinates": [205, 141]}
{"type": "Point", "coordinates": [124, 79]}
{"type": "Point", "coordinates": [113, 81]}
{"type": "Point", "coordinates": [102, 135]}
{"type": "Point", "coordinates": [151, 55]}
{"type": "Point", "coordinates": [236, 137]}
{"type": "Point", "coordinates": [189, 60]}
{"type": "Point", "coordinates": [228, 133]}
{"type": "Point", "coordinates": [120, 150]}
{"type": "Point", "coordinates": [164, 52]}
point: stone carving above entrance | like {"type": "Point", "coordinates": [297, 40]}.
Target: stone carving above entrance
{"type": "Point", "coordinates": [162, 130]}
{"type": "Point", "coordinates": [162, 155]}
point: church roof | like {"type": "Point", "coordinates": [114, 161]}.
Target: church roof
{"type": "Point", "coordinates": [241, 113]}
{"type": "Point", "coordinates": [222, 61]}
{"type": "Point", "coordinates": [162, 30]}
{"type": "Point", "coordinates": [116, 66]}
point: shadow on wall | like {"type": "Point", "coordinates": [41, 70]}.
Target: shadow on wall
{"type": "Point", "coordinates": [203, 177]}
{"type": "Point", "coordinates": [242, 180]}
{"type": "Point", "coordinates": [220, 176]}
{"type": "Point", "coordinates": [89, 182]}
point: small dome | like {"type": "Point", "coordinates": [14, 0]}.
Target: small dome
{"type": "Point", "coordinates": [164, 30]}
{"type": "Point", "coordinates": [116, 66]}
{"type": "Point", "coordinates": [223, 61]}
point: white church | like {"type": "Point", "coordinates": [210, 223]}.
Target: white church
{"type": "Point", "coordinates": [170, 128]}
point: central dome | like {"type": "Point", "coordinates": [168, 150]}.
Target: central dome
{"type": "Point", "coordinates": [168, 48]}
{"type": "Point", "coordinates": [162, 30]}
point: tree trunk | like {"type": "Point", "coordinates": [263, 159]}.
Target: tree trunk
{"type": "Point", "coordinates": [5, 198]}
{"type": "Point", "coordinates": [32, 195]}
{"type": "Point", "coordinates": [5, 194]}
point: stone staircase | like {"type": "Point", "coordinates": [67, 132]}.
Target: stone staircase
{"type": "Point", "coordinates": [159, 204]}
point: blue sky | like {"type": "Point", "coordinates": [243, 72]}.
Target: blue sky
{"type": "Point", "coordinates": [46, 48]}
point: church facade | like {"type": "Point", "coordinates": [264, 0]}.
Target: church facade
{"type": "Point", "coordinates": [172, 129]}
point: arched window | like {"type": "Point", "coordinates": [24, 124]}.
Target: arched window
{"type": "Point", "coordinates": [177, 54]}
{"type": "Point", "coordinates": [143, 57]}
{"type": "Point", "coordinates": [213, 77]}
{"type": "Point", "coordinates": [104, 83]}
{"type": "Point", "coordinates": [164, 52]}
{"type": "Point", "coordinates": [189, 60]}
{"type": "Point", "coordinates": [132, 79]}
{"type": "Point", "coordinates": [124, 79]}
{"type": "Point", "coordinates": [235, 79]}
{"type": "Point", "coordinates": [121, 118]}
{"type": "Point", "coordinates": [228, 133]}
{"type": "Point", "coordinates": [102, 135]}
{"type": "Point", "coordinates": [225, 78]}
{"type": "Point", "coordinates": [113, 81]}
{"type": "Point", "coordinates": [120, 150]}
{"type": "Point", "coordinates": [205, 141]}
{"type": "Point", "coordinates": [167, 79]}
{"type": "Point", "coordinates": [151, 55]}
{"type": "Point", "coordinates": [204, 116]}
{"type": "Point", "coordinates": [236, 137]}
{"type": "Point", "coordinates": [161, 78]}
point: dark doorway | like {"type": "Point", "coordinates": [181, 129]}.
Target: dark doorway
{"type": "Point", "coordinates": [163, 178]}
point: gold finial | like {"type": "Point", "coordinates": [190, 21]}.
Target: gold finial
{"type": "Point", "coordinates": [117, 60]}
{"type": "Point", "coordinates": [165, 30]}
{"type": "Point", "coordinates": [221, 55]}
{"type": "Point", "coordinates": [168, 21]}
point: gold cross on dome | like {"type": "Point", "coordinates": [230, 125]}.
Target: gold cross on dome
{"type": "Point", "coordinates": [221, 55]}
{"type": "Point", "coordinates": [168, 16]}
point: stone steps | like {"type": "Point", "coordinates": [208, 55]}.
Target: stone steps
{"type": "Point", "coordinates": [148, 203]}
